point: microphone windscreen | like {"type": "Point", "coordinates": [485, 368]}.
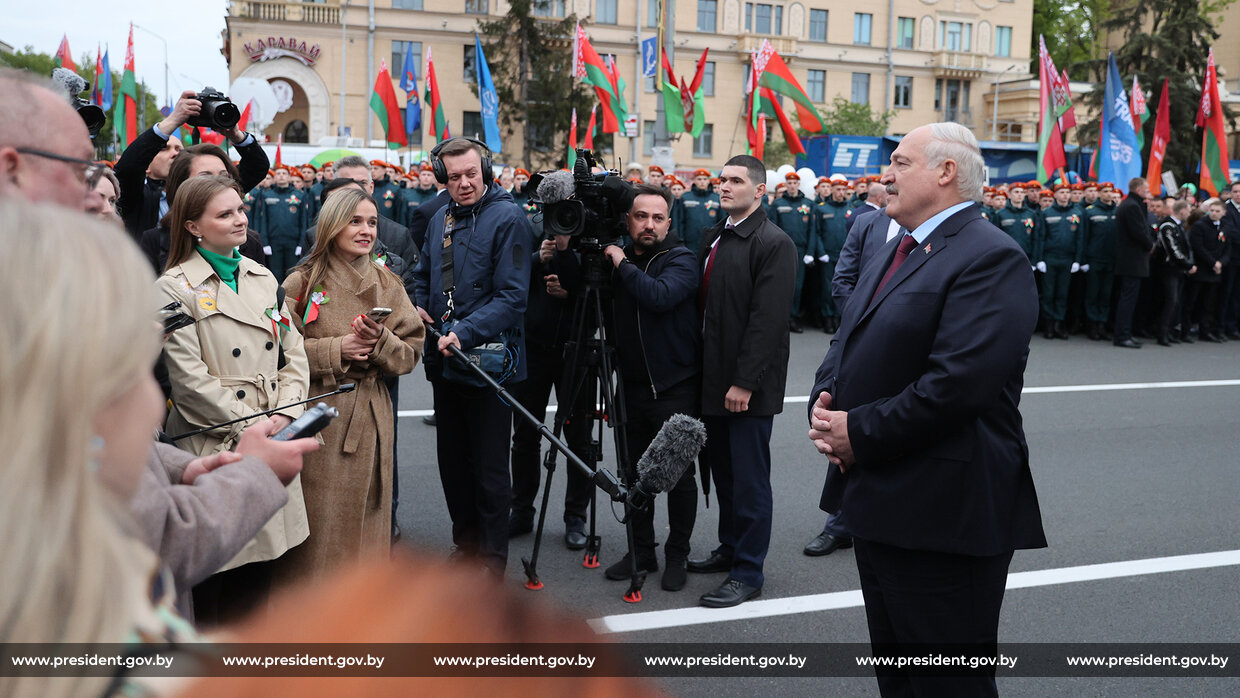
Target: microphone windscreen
{"type": "Point", "coordinates": [72, 83]}
{"type": "Point", "coordinates": [670, 453]}
{"type": "Point", "coordinates": [556, 187]}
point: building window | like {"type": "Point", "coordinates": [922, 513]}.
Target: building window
{"type": "Point", "coordinates": [547, 8]}
{"type": "Point", "coordinates": [817, 85]}
{"type": "Point", "coordinates": [708, 10]}
{"type": "Point", "coordinates": [708, 79]}
{"type": "Point", "coordinates": [817, 25]}
{"type": "Point", "coordinates": [477, 7]}
{"type": "Point", "coordinates": [605, 12]}
{"type": "Point", "coordinates": [703, 145]}
{"type": "Point", "coordinates": [952, 98]}
{"type": "Point", "coordinates": [956, 36]}
{"type": "Point", "coordinates": [1003, 42]}
{"type": "Point", "coordinates": [407, 4]}
{"type": "Point", "coordinates": [904, 32]}
{"type": "Point", "coordinates": [862, 22]}
{"type": "Point", "coordinates": [648, 138]}
{"type": "Point", "coordinates": [860, 88]}
{"type": "Point", "coordinates": [903, 97]}
{"type": "Point", "coordinates": [471, 125]}
{"type": "Point", "coordinates": [469, 70]}
{"type": "Point", "coordinates": [398, 58]}
{"type": "Point", "coordinates": [763, 18]}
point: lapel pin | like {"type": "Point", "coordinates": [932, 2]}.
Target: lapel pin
{"type": "Point", "coordinates": [927, 248]}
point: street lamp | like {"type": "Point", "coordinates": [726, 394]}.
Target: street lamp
{"type": "Point", "coordinates": [994, 103]}
{"type": "Point", "coordinates": [167, 94]}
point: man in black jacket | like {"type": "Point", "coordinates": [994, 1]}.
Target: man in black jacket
{"type": "Point", "coordinates": [143, 166]}
{"type": "Point", "coordinates": [657, 339]}
{"type": "Point", "coordinates": [749, 272]}
{"type": "Point", "coordinates": [1134, 244]}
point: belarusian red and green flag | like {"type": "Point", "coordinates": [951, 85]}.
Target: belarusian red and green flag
{"type": "Point", "coordinates": [589, 143]}
{"type": "Point", "coordinates": [1140, 112]}
{"type": "Point", "coordinates": [1214, 169]}
{"type": "Point", "coordinates": [572, 141]}
{"type": "Point", "coordinates": [125, 118]}
{"type": "Point", "coordinates": [438, 122]}
{"type": "Point", "coordinates": [64, 57]}
{"type": "Point", "coordinates": [684, 101]}
{"type": "Point", "coordinates": [589, 67]}
{"type": "Point", "coordinates": [383, 103]}
{"type": "Point", "coordinates": [1052, 103]}
{"type": "Point", "coordinates": [774, 74]}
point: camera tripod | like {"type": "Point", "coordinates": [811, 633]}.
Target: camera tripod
{"type": "Point", "coordinates": [590, 362]}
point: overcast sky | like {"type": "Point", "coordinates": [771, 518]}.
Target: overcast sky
{"type": "Point", "coordinates": [192, 29]}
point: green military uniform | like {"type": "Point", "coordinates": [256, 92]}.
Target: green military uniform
{"type": "Point", "coordinates": [387, 196]}
{"type": "Point", "coordinates": [412, 199]}
{"type": "Point", "coordinates": [281, 220]}
{"type": "Point", "coordinates": [1060, 245]}
{"type": "Point", "coordinates": [1021, 223]}
{"type": "Point", "coordinates": [830, 232]}
{"type": "Point", "coordinates": [793, 215]}
{"type": "Point", "coordinates": [1099, 235]}
{"type": "Point", "coordinates": [696, 210]}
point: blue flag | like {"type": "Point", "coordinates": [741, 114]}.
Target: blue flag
{"type": "Point", "coordinates": [650, 56]}
{"type": "Point", "coordinates": [489, 99]}
{"type": "Point", "coordinates": [105, 91]}
{"type": "Point", "coordinates": [409, 83]}
{"type": "Point", "coordinates": [1119, 158]}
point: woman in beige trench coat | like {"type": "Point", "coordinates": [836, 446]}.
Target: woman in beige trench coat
{"type": "Point", "coordinates": [227, 365]}
{"type": "Point", "coordinates": [348, 482]}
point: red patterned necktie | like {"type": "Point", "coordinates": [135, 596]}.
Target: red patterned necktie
{"type": "Point", "coordinates": [907, 243]}
{"type": "Point", "coordinates": [710, 262]}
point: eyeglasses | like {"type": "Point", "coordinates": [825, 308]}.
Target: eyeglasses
{"type": "Point", "coordinates": [90, 172]}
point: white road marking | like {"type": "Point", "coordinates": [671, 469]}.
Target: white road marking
{"type": "Point", "coordinates": [697, 615]}
{"type": "Point", "coordinates": [1048, 389]}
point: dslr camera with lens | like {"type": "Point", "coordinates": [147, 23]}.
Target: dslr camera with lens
{"type": "Point", "coordinates": [586, 206]}
{"type": "Point", "coordinates": [218, 113]}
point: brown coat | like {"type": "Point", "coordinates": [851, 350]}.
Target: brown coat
{"type": "Point", "coordinates": [226, 366]}
{"type": "Point", "coordinates": [348, 482]}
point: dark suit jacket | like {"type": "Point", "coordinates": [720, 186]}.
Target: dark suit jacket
{"type": "Point", "coordinates": [930, 374]}
{"type": "Point", "coordinates": [867, 233]}
{"type": "Point", "coordinates": [1134, 238]}
{"type": "Point", "coordinates": [745, 331]}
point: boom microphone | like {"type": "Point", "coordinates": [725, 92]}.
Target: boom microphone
{"type": "Point", "coordinates": [667, 458]}
{"type": "Point", "coordinates": [556, 187]}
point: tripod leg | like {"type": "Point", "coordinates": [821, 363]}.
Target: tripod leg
{"type": "Point", "coordinates": [594, 542]}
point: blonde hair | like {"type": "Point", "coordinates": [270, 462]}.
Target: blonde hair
{"type": "Point", "coordinates": [78, 301]}
{"type": "Point", "coordinates": [336, 213]}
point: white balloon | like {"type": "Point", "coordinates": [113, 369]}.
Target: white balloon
{"type": "Point", "coordinates": [266, 104]}
{"type": "Point", "coordinates": [773, 179]}
{"type": "Point", "coordinates": [784, 170]}
{"type": "Point", "coordinates": [808, 181]}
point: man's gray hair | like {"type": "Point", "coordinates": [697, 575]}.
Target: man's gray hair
{"type": "Point", "coordinates": [951, 141]}
{"type": "Point", "coordinates": [351, 161]}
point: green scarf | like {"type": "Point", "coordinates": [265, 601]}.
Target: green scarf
{"type": "Point", "coordinates": [225, 267]}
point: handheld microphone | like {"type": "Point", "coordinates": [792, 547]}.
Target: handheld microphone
{"type": "Point", "coordinates": [667, 458]}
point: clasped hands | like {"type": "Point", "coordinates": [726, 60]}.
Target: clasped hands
{"type": "Point", "coordinates": [358, 344]}
{"type": "Point", "coordinates": [829, 432]}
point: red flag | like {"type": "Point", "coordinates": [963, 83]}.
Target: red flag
{"type": "Point", "coordinates": [383, 104]}
{"type": "Point", "coordinates": [1214, 165]}
{"type": "Point", "coordinates": [245, 116]}
{"type": "Point", "coordinates": [95, 96]}
{"type": "Point", "coordinates": [572, 141]}
{"type": "Point", "coordinates": [761, 135]}
{"type": "Point", "coordinates": [64, 57]}
{"type": "Point", "coordinates": [1158, 146]}
{"type": "Point", "coordinates": [279, 142]}
{"type": "Point", "coordinates": [751, 108]}
{"type": "Point", "coordinates": [1068, 120]}
{"type": "Point", "coordinates": [125, 119]}
{"type": "Point", "coordinates": [589, 144]}
{"type": "Point", "coordinates": [1050, 96]}
{"type": "Point", "coordinates": [785, 124]}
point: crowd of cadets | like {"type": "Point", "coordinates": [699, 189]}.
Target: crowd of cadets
{"type": "Point", "coordinates": [1068, 231]}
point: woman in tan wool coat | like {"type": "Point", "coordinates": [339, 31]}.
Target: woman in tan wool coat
{"type": "Point", "coordinates": [348, 482]}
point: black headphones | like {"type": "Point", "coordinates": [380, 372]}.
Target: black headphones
{"type": "Point", "coordinates": [441, 172]}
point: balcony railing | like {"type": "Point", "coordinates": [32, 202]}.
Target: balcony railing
{"type": "Point", "coordinates": [958, 64]}
{"type": "Point", "coordinates": [748, 43]}
{"type": "Point", "coordinates": [289, 11]}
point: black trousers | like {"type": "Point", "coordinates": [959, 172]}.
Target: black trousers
{"type": "Point", "coordinates": [916, 600]}
{"type": "Point", "coordinates": [543, 371]}
{"type": "Point", "coordinates": [1229, 297]}
{"type": "Point", "coordinates": [738, 451]}
{"type": "Point", "coordinates": [471, 438]}
{"type": "Point", "coordinates": [1126, 306]}
{"type": "Point", "coordinates": [1172, 282]}
{"type": "Point", "coordinates": [646, 415]}
{"type": "Point", "coordinates": [1199, 301]}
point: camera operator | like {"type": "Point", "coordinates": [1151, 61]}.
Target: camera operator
{"type": "Point", "coordinates": [658, 341]}
{"type": "Point", "coordinates": [143, 166]}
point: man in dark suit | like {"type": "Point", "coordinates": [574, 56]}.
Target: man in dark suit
{"type": "Point", "coordinates": [749, 272]}
{"type": "Point", "coordinates": [916, 408]}
{"type": "Point", "coordinates": [1133, 246]}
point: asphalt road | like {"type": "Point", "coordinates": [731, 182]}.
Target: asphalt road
{"type": "Point", "coordinates": [1122, 474]}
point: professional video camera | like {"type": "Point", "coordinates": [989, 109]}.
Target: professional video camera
{"type": "Point", "coordinates": [218, 113]}
{"type": "Point", "coordinates": [587, 207]}
{"type": "Point", "coordinates": [74, 85]}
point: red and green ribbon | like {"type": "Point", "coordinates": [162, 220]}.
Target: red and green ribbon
{"type": "Point", "coordinates": [317, 299]}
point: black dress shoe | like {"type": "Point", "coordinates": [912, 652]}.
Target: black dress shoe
{"type": "Point", "coordinates": [1212, 338]}
{"type": "Point", "coordinates": [794, 326]}
{"type": "Point", "coordinates": [730, 593]}
{"type": "Point", "coordinates": [1129, 343]}
{"type": "Point", "coordinates": [714, 563]}
{"type": "Point", "coordinates": [1060, 331]}
{"type": "Point", "coordinates": [429, 420]}
{"type": "Point", "coordinates": [574, 539]}
{"type": "Point", "coordinates": [519, 526]}
{"type": "Point", "coordinates": [674, 577]}
{"type": "Point", "coordinates": [1164, 341]}
{"type": "Point", "coordinates": [825, 544]}
{"type": "Point", "coordinates": [1233, 335]}
{"type": "Point", "coordinates": [623, 569]}
{"type": "Point", "coordinates": [1173, 338]}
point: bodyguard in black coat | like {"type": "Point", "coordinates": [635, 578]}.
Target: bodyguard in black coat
{"type": "Point", "coordinates": [1133, 245]}
{"type": "Point", "coordinates": [916, 406]}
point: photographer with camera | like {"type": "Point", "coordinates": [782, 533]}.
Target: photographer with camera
{"type": "Point", "coordinates": [144, 165]}
{"type": "Point", "coordinates": [657, 332]}
{"type": "Point", "coordinates": [472, 284]}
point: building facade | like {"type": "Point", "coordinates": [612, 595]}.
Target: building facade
{"type": "Point", "coordinates": [926, 60]}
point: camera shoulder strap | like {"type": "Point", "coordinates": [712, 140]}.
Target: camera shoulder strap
{"type": "Point", "coordinates": [445, 265]}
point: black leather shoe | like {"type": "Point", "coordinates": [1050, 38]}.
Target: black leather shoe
{"type": "Point", "coordinates": [714, 563]}
{"type": "Point", "coordinates": [730, 593]}
{"type": "Point", "coordinates": [623, 569]}
{"type": "Point", "coordinates": [1173, 338]}
{"type": "Point", "coordinates": [1061, 332]}
{"type": "Point", "coordinates": [519, 526]}
{"type": "Point", "coordinates": [794, 326]}
{"type": "Point", "coordinates": [674, 577]}
{"type": "Point", "coordinates": [1128, 343]}
{"type": "Point", "coordinates": [1164, 340]}
{"type": "Point", "coordinates": [1212, 338]}
{"type": "Point", "coordinates": [429, 420]}
{"type": "Point", "coordinates": [1233, 335]}
{"type": "Point", "coordinates": [574, 539]}
{"type": "Point", "coordinates": [825, 544]}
